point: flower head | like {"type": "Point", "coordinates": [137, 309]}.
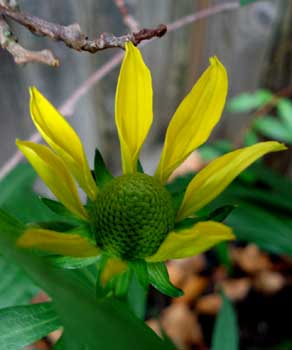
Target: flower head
{"type": "Point", "coordinates": [131, 222]}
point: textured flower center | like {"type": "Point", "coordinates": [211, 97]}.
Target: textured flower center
{"type": "Point", "coordinates": [132, 216]}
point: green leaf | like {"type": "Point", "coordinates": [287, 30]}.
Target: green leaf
{"type": "Point", "coordinates": [140, 268]}
{"type": "Point", "coordinates": [246, 2]}
{"type": "Point", "coordinates": [220, 214]}
{"type": "Point", "coordinates": [284, 107]}
{"type": "Point", "coordinates": [60, 345]}
{"type": "Point", "coordinates": [158, 277]}
{"type": "Point", "coordinates": [250, 138]}
{"type": "Point", "coordinates": [88, 322]}
{"type": "Point", "coordinates": [223, 255]}
{"type": "Point", "coordinates": [18, 198]}
{"type": "Point", "coordinates": [59, 209]}
{"type": "Point", "coordinates": [253, 224]}
{"type": "Point", "coordinates": [15, 288]}
{"type": "Point", "coordinates": [102, 175]}
{"type": "Point", "coordinates": [22, 325]}
{"type": "Point", "coordinates": [189, 222]}
{"type": "Point", "coordinates": [68, 262]}
{"type": "Point", "coordinates": [273, 128]}
{"type": "Point", "coordinates": [122, 282]}
{"type": "Point", "coordinates": [211, 151]}
{"type": "Point", "coordinates": [247, 102]}
{"type": "Point", "coordinates": [225, 334]}
{"type": "Point", "coordinates": [137, 297]}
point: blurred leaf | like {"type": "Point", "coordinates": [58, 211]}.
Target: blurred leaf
{"type": "Point", "coordinates": [223, 255]}
{"type": "Point", "coordinates": [68, 262]}
{"type": "Point", "coordinates": [60, 345]}
{"type": "Point", "coordinates": [88, 322]}
{"type": "Point", "coordinates": [140, 268]}
{"type": "Point", "coordinates": [15, 288]}
{"type": "Point", "coordinates": [268, 199]}
{"type": "Point", "coordinates": [59, 209]}
{"type": "Point", "coordinates": [211, 151]}
{"type": "Point", "coordinates": [272, 128]}
{"type": "Point", "coordinates": [253, 224]}
{"type": "Point", "coordinates": [23, 325]}
{"type": "Point", "coordinates": [277, 182]}
{"type": "Point", "coordinates": [158, 277]}
{"type": "Point", "coordinates": [246, 2]}
{"type": "Point", "coordinates": [18, 198]}
{"type": "Point", "coordinates": [137, 297]}
{"type": "Point", "coordinates": [284, 107]}
{"type": "Point", "coordinates": [250, 138]}
{"type": "Point", "coordinates": [247, 102]}
{"type": "Point", "coordinates": [225, 334]}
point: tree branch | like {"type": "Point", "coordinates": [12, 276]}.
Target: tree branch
{"type": "Point", "coordinates": [73, 37]}
{"type": "Point", "coordinates": [19, 53]}
{"type": "Point", "coordinates": [128, 19]}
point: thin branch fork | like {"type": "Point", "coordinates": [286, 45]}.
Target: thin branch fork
{"type": "Point", "coordinates": [72, 35]}
{"type": "Point", "coordinates": [19, 53]}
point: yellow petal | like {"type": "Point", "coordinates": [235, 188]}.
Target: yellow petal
{"type": "Point", "coordinates": [218, 174]}
{"type": "Point", "coordinates": [194, 119]}
{"type": "Point", "coordinates": [58, 133]}
{"type": "Point", "coordinates": [55, 175]}
{"type": "Point", "coordinates": [133, 113]}
{"type": "Point", "coordinates": [113, 267]}
{"type": "Point", "coordinates": [67, 244]}
{"type": "Point", "coordinates": [192, 241]}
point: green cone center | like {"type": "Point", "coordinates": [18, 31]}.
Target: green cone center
{"type": "Point", "coordinates": [132, 215]}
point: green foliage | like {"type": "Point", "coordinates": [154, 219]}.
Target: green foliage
{"type": "Point", "coordinates": [247, 102]}
{"type": "Point", "coordinates": [225, 333]}
{"type": "Point", "coordinates": [246, 2]}
{"type": "Point", "coordinates": [277, 126]}
{"type": "Point", "coordinates": [137, 297]}
{"type": "Point", "coordinates": [101, 173]}
{"type": "Point", "coordinates": [15, 288]}
{"type": "Point", "coordinates": [23, 325]}
{"type": "Point", "coordinates": [73, 294]}
{"type": "Point", "coordinates": [72, 289]}
{"type": "Point", "coordinates": [140, 268]}
{"type": "Point", "coordinates": [19, 199]}
{"type": "Point", "coordinates": [158, 277]}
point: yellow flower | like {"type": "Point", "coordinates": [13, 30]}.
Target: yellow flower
{"type": "Point", "coordinates": [131, 220]}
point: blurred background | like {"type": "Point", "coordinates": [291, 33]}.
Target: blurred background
{"type": "Point", "coordinates": [245, 39]}
{"type": "Point", "coordinates": [255, 44]}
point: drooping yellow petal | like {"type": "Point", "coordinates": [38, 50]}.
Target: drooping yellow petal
{"type": "Point", "coordinates": [55, 175]}
{"type": "Point", "coordinates": [194, 119]}
{"type": "Point", "coordinates": [67, 244]}
{"type": "Point", "coordinates": [192, 241]}
{"type": "Point", "coordinates": [133, 106]}
{"type": "Point", "coordinates": [113, 267]}
{"type": "Point", "coordinates": [218, 174]}
{"type": "Point", "coordinates": [58, 133]}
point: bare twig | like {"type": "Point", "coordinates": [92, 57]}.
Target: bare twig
{"type": "Point", "coordinates": [19, 53]}
{"type": "Point", "coordinates": [68, 106]}
{"type": "Point", "coordinates": [128, 19]}
{"type": "Point", "coordinates": [72, 35]}
{"type": "Point", "coordinates": [202, 14]}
